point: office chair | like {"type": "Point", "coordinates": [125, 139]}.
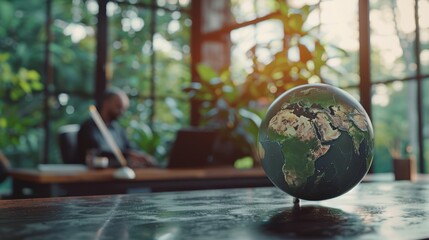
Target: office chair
{"type": "Point", "coordinates": [67, 141]}
{"type": "Point", "coordinates": [4, 167]}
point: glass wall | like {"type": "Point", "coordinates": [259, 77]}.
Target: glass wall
{"type": "Point", "coordinates": [395, 71]}
{"type": "Point", "coordinates": [395, 67]}
{"type": "Point", "coordinates": [21, 117]}
{"type": "Point", "coordinates": [395, 120]}
{"type": "Point", "coordinates": [23, 35]}
{"type": "Point", "coordinates": [424, 60]}
{"type": "Point", "coordinates": [424, 35]}
{"type": "Point", "coordinates": [144, 39]}
{"type": "Point", "coordinates": [71, 70]}
{"type": "Point", "coordinates": [149, 57]}
{"type": "Point", "coordinates": [425, 129]}
{"type": "Point", "coordinates": [341, 30]}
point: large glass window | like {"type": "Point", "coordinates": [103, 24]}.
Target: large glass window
{"type": "Point", "coordinates": [395, 120]}
{"type": "Point", "coordinates": [424, 35]}
{"type": "Point", "coordinates": [24, 35]}
{"type": "Point", "coordinates": [426, 124]}
{"type": "Point", "coordinates": [21, 114]}
{"type": "Point", "coordinates": [341, 30]}
{"type": "Point", "coordinates": [395, 70]}
{"type": "Point", "coordinates": [72, 50]}
{"type": "Point", "coordinates": [148, 55]}
{"type": "Point", "coordinates": [392, 40]}
{"type": "Point", "coordinates": [394, 63]}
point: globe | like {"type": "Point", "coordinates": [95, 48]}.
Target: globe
{"type": "Point", "coordinates": [316, 142]}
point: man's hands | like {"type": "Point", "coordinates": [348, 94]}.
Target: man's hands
{"type": "Point", "coordinates": [138, 159]}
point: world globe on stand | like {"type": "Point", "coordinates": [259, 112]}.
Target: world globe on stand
{"type": "Point", "coordinates": [316, 142]}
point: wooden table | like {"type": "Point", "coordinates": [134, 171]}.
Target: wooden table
{"type": "Point", "coordinates": [379, 210]}
{"type": "Point", "coordinates": [34, 183]}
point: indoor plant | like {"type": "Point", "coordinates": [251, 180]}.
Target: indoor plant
{"type": "Point", "coordinates": [236, 108]}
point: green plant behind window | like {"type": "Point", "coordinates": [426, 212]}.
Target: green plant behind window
{"type": "Point", "coordinates": [235, 107]}
{"type": "Point", "coordinates": [19, 109]}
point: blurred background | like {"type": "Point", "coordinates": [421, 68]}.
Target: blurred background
{"type": "Point", "coordinates": [204, 63]}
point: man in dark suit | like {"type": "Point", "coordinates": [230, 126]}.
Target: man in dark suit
{"type": "Point", "coordinates": [90, 140]}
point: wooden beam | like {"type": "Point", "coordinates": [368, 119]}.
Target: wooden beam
{"type": "Point", "coordinates": [100, 81]}
{"type": "Point", "coordinates": [196, 9]}
{"type": "Point", "coordinates": [419, 95]}
{"type": "Point", "coordinates": [48, 80]}
{"type": "Point", "coordinates": [365, 56]}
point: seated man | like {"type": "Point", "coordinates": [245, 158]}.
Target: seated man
{"type": "Point", "coordinates": [114, 103]}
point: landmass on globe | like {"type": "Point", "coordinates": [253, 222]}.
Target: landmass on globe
{"type": "Point", "coordinates": [320, 138]}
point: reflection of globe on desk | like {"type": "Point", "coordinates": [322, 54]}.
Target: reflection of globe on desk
{"type": "Point", "coordinates": [317, 142]}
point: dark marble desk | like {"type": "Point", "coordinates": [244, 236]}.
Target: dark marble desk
{"type": "Point", "coordinates": [383, 210]}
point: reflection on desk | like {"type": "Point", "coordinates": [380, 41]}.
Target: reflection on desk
{"type": "Point", "coordinates": [34, 183]}
{"type": "Point", "coordinates": [382, 210]}
{"type": "Point", "coordinates": [388, 177]}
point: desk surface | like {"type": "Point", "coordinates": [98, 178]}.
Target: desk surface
{"type": "Point", "coordinates": [382, 210]}
{"type": "Point", "coordinates": [142, 174]}
{"type": "Point", "coordinates": [96, 182]}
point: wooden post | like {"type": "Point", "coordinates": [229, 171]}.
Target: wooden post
{"type": "Point", "coordinates": [100, 81]}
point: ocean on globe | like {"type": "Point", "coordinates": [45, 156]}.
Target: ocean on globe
{"type": "Point", "coordinates": [316, 142]}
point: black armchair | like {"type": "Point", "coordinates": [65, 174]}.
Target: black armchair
{"type": "Point", "coordinates": [67, 141]}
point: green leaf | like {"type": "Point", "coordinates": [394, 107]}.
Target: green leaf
{"type": "Point", "coordinates": [3, 122]}
{"type": "Point", "coordinates": [243, 163]}
{"type": "Point", "coordinates": [206, 72]}
{"type": "Point", "coordinates": [6, 73]}
{"type": "Point", "coordinates": [229, 93]}
{"type": "Point", "coordinates": [319, 50]}
{"type": "Point", "coordinates": [33, 75]}
{"type": "Point", "coordinates": [14, 94]}
{"type": "Point", "coordinates": [283, 7]}
{"type": "Point", "coordinates": [4, 57]}
{"type": "Point", "coordinates": [319, 57]}
{"type": "Point", "coordinates": [305, 10]}
{"type": "Point", "coordinates": [295, 24]}
{"type": "Point", "coordinates": [36, 86]}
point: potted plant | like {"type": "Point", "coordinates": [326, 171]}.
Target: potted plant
{"type": "Point", "coordinates": [236, 108]}
{"type": "Point", "coordinates": [404, 164]}
{"type": "Point", "coordinates": [224, 106]}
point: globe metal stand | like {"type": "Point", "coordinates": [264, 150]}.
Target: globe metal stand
{"type": "Point", "coordinates": [296, 202]}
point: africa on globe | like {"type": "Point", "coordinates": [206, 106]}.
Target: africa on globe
{"type": "Point", "coordinates": [316, 142]}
